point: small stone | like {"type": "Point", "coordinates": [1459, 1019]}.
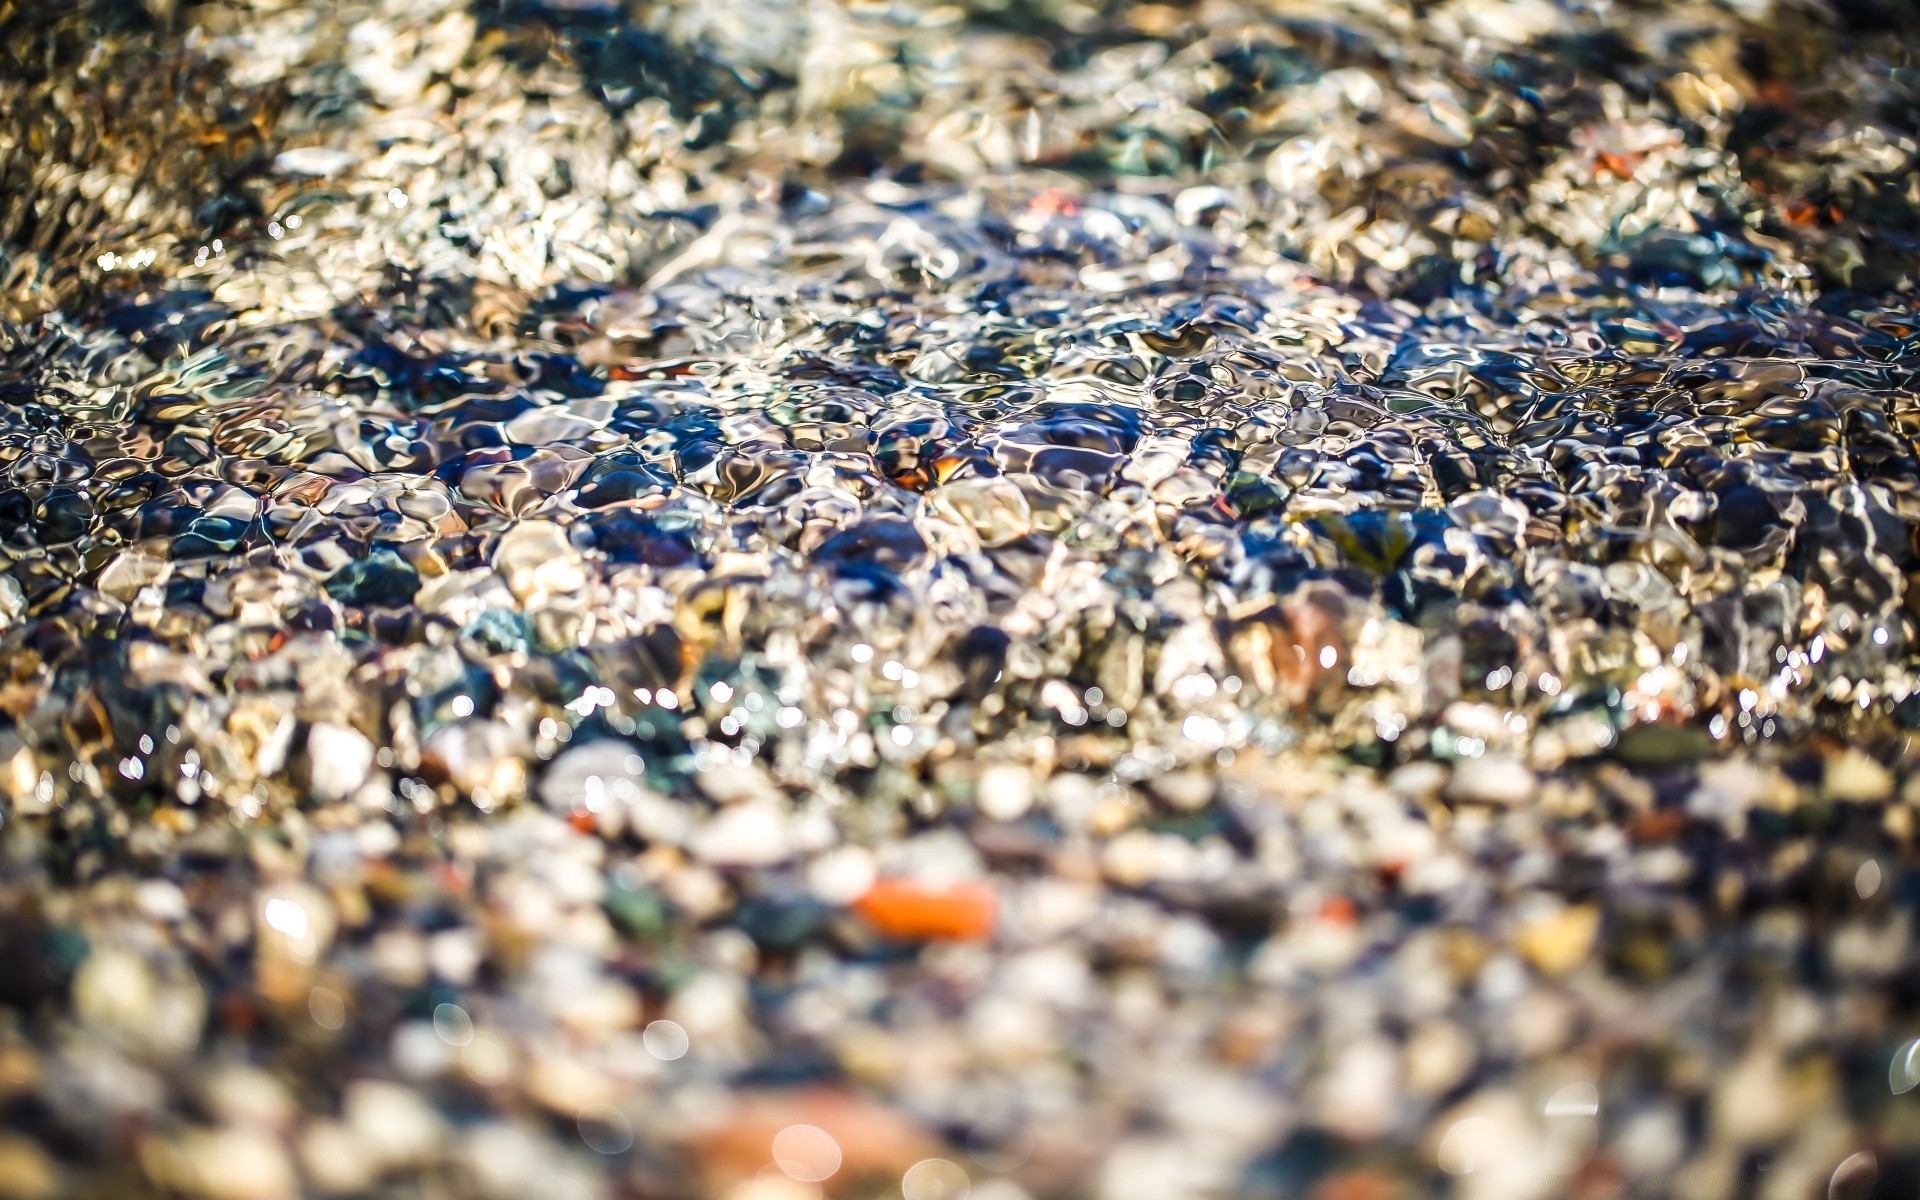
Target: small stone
{"type": "Point", "coordinates": [1558, 943]}
{"type": "Point", "coordinates": [842, 875]}
{"type": "Point", "coordinates": [334, 1159]}
{"type": "Point", "coordinates": [1494, 780]}
{"type": "Point", "coordinates": [755, 834]}
{"type": "Point", "coordinates": [20, 776]}
{"type": "Point", "coordinates": [241, 1095]}
{"type": "Point", "coordinates": [1005, 791]}
{"type": "Point", "coordinates": [119, 993]}
{"type": "Point", "coordinates": [995, 509]}
{"type": "Point", "coordinates": [1438, 1056]}
{"type": "Point", "coordinates": [1418, 780]}
{"type": "Point", "coordinates": [1755, 1102]}
{"type": "Point", "coordinates": [382, 578]}
{"type": "Point", "coordinates": [592, 775]}
{"type": "Point", "coordinates": [732, 783]}
{"type": "Point", "coordinates": [909, 910]}
{"type": "Point", "coordinates": [737, 1143]}
{"type": "Point", "coordinates": [1661, 746]}
{"type": "Point", "coordinates": [26, 1171]}
{"type": "Point", "coordinates": [1358, 1097]}
{"type": "Point", "coordinates": [314, 160]}
{"type": "Point", "coordinates": [481, 758]}
{"type": "Point", "coordinates": [1188, 791]}
{"type": "Point", "coordinates": [1852, 776]}
{"type": "Point", "coordinates": [394, 1124]}
{"type": "Point", "coordinates": [539, 563]}
{"type": "Point", "coordinates": [224, 1164]}
{"type": "Point", "coordinates": [339, 760]}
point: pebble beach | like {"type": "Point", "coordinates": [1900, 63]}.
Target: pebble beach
{"type": "Point", "coordinates": [1014, 600]}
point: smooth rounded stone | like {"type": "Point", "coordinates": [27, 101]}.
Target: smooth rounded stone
{"type": "Point", "coordinates": [1418, 780]}
{"type": "Point", "coordinates": [119, 993]}
{"type": "Point", "coordinates": [1756, 1102]}
{"type": "Point", "coordinates": [243, 1095]}
{"type": "Point", "coordinates": [161, 900]}
{"type": "Point", "coordinates": [1560, 941]}
{"type": "Point", "coordinates": [732, 1143]}
{"type": "Point", "coordinates": [1188, 791]}
{"type": "Point", "coordinates": [935, 1179]}
{"type": "Point", "coordinates": [1147, 1165]}
{"type": "Point", "coordinates": [481, 758]}
{"type": "Point", "coordinates": [27, 1172]}
{"type": "Point", "coordinates": [996, 510]}
{"type": "Point", "coordinates": [1576, 735]}
{"type": "Point", "coordinates": [235, 1163]}
{"type": "Point", "coordinates": [842, 875]}
{"type": "Point", "coordinates": [755, 833]}
{"type": "Point", "coordinates": [13, 599]}
{"type": "Point", "coordinates": [381, 578]}
{"type": "Point", "coordinates": [908, 909]}
{"type": "Point", "coordinates": [539, 563]}
{"type": "Point", "coordinates": [315, 160]}
{"type": "Point", "coordinates": [1358, 1096]}
{"type": "Point", "coordinates": [339, 760]}
{"type": "Point", "coordinates": [592, 775]}
{"type": "Point", "coordinates": [1004, 791]}
{"type": "Point", "coordinates": [396, 1126]}
{"type": "Point", "coordinates": [418, 1052]}
{"type": "Point", "coordinates": [1486, 722]}
{"type": "Point", "coordinates": [1072, 799]}
{"type": "Point", "coordinates": [510, 1161]}
{"type": "Point", "coordinates": [563, 1081]}
{"type": "Point", "coordinates": [1137, 858]}
{"type": "Point", "coordinates": [335, 1158]}
{"type": "Point", "coordinates": [1853, 776]}
{"type": "Point", "coordinates": [123, 578]}
{"type": "Point", "coordinates": [1497, 1147]}
{"type": "Point", "coordinates": [20, 775]}
{"type": "Point", "coordinates": [261, 734]}
{"type": "Point", "coordinates": [1438, 1055]}
{"type": "Point", "coordinates": [597, 1009]}
{"type": "Point", "coordinates": [1492, 780]}
{"type": "Point", "coordinates": [730, 783]}
{"type": "Point", "coordinates": [1656, 747]}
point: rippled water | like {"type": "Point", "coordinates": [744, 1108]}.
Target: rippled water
{"type": "Point", "coordinates": [1149, 602]}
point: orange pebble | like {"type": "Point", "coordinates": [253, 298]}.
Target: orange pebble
{"type": "Point", "coordinates": [1055, 203]}
{"type": "Point", "coordinates": [912, 911]}
{"type": "Point", "coordinates": [1339, 910]}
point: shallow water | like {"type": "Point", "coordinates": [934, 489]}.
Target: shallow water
{"type": "Point", "coordinates": [1047, 600]}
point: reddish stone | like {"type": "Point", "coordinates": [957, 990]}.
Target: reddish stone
{"type": "Point", "coordinates": [913, 911]}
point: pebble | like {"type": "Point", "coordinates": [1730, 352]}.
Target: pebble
{"type": "Point", "coordinates": [223, 1164]}
{"type": "Point", "coordinates": [26, 1171]}
{"type": "Point", "coordinates": [394, 1124]}
{"type": "Point", "coordinates": [730, 783]}
{"type": "Point", "coordinates": [910, 910]}
{"type": "Point", "coordinates": [1853, 777]}
{"type": "Point", "coordinates": [751, 834]}
{"type": "Point", "coordinates": [314, 160]}
{"type": "Point", "coordinates": [593, 776]}
{"type": "Point", "coordinates": [339, 758]}
{"type": "Point", "coordinates": [1501, 782]}
{"type": "Point", "coordinates": [539, 563]}
{"type": "Point", "coordinates": [842, 875]}
{"type": "Point", "coordinates": [1558, 943]}
{"type": "Point", "coordinates": [1004, 791]}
